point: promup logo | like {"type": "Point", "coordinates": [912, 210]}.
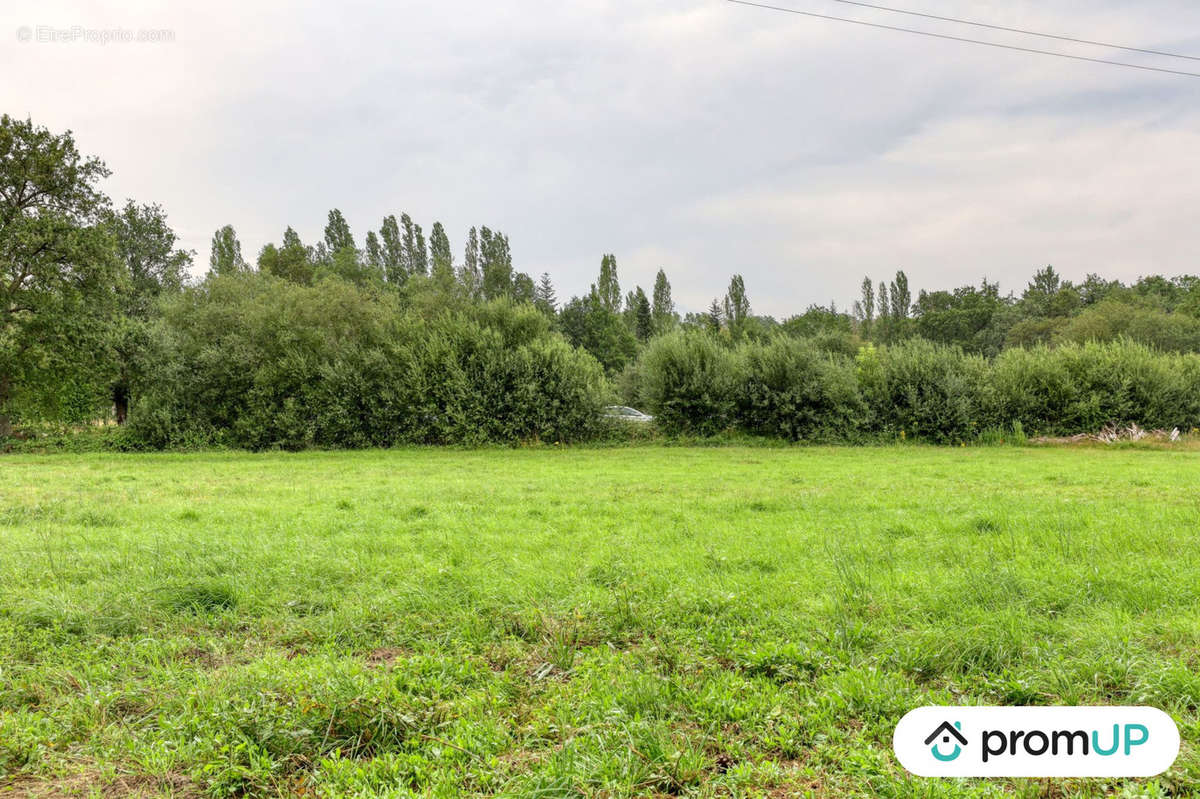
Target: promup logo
{"type": "Point", "coordinates": [946, 732]}
{"type": "Point", "coordinates": [1036, 742]}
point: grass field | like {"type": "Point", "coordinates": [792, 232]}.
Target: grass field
{"type": "Point", "coordinates": [554, 623]}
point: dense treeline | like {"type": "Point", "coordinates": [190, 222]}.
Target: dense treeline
{"type": "Point", "coordinates": [398, 340]}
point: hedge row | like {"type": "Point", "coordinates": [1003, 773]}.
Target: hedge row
{"type": "Point", "coordinates": [253, 362]}
{"type": "Point", "coordinates": [790, 388]}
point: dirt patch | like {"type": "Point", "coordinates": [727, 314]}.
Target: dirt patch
{"type": "Point", "coordinates": [133, 786]}
{"type": "Point", "coordinates": [386, 655]}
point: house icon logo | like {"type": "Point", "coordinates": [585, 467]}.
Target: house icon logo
{"type": "Point", "coordinates": [946, 731]}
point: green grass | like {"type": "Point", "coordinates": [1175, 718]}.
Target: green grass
{"type": "Point", "coordinates": [554, 623]}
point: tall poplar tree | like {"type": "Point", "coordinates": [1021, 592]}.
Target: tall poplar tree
{"type": "Point", "coordinates": [394, 270]}
{"type": "Point", "coordinates": [440, 254]}
{"type": "Point", "coordinates": [608, 287]}
{"type": "Point", "coordinates": [471, 275]}
{"type": "Point", "coordinates": [337, 233]}
{"type": "Point", "coordinates": [663, 310]}
{"type": "Point", "coordinates": [226, 256]}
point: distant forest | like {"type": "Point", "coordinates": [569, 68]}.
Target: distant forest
{"type": "Point", "coordinates": [398, 336]}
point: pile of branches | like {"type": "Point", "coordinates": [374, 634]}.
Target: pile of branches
{"type": "Point", "coordinates": [1113, 433]}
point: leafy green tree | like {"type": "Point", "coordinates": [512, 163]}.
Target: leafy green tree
{"type": "Point", "coordinates": [885, 305]}
{"type": "Point", "coordinates": [373, 253]}
{"type": "Point", "coordinates": [394, 268]}
{"type": "Point", "coordinates": [737, 306]}
{"type": "Point", "coordinates": [964, 317]}
{"type": "Point", "coordinates": [496, 263]}
{"type": "Point", "coordinates": [865, 307]}
{"type": "Point", "coordinates": [415, 255]}
{"type": "Point", "coordinates": [471, 276]}
{"type": "Point", "coordinates": [524, 291]}
{"type": "Point", "coordinates": [1096, 289]}
{"type": "Point", "coordinates": [290, 261]}
{"type": "Point", "coordinates": [643, 325]}
{"type": "Point", "coordinates": [440, 254]}
{"type": "Point", "coordinates": [337, 233]}
{"type": "Point", "coordinates": [715, 318]}
{"type": "Point", "coordinates": [152, 266]}
{"type": "Point", "coordinates": [663, 310]}
{"type": "Point", "coordinates": [544, 296]}
{"type": "Point", "coordinates": [588, 323]}
{"type": "Point", "coordinates": [608, 287]}
{"type": "Point", "coordinates": [901, 297]}
{"type": "Point", "coordinates": [57, 268]}
{"type": "Point", "coordinates": [226, 257]}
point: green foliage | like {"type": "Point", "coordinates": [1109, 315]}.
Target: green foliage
{"type": "Point", "coordinates": [226, 255]}
{"type": "Point", "coordinates": [607, 287]}
{"type": "Point", "coordinates": [251, 361]}
{"type": "Point", "coordinates": [58, 275]}
{"type": "Point", "coordinates": [924, 390]}
{"type": "Point", "coordinates": [690, 382]}
{"type": "Point", "coordinates": [587, 323]}
{"type": "Point", "coordinates": [1111, 320]}
{"type": "Point", "coordinates": [1072, 389]}
{"type": "Point", "coordinates": [663, 308]}
{"type": "Point", "coordinates": [791, 389]}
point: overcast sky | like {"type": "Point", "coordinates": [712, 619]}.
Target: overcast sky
{"type": "Point", "coordinates": [698, 136]}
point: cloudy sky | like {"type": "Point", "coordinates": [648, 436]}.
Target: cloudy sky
{"type": "Point", "coordinates": [698, 136]}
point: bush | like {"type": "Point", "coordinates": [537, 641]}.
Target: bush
{"type": "Point", "coordinates": [252, 361]}
{"type": "Point", "coordinates": [789, 388]}
{"type": "Point", "coordinates": [923, 390]}
{"type": "Point", "coordinates": [689, 382]}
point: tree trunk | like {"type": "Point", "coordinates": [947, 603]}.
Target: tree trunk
{"type": "Point", "coordinates": [121, 403]}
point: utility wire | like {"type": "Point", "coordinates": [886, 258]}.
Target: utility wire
{"type": "Point", "coordinates": [966, 40]}
{"type": "Point", "coordinates": [1015, 30]}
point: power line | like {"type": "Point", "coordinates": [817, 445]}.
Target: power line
{"type": "Point", "coordinates": [966, 40]}
{"type": "Point", "coordinates": [1016, 30]}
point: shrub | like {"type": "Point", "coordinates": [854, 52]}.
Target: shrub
{"type": "Point", "coordinates": [923, 390]}
{"type": "Point", "coordinates": [789, 388]}
{"type": "Point", "coordinates": [689, 381]}
{"type": "Point", "coordinates": [1030, 387]}
{"type": "Point", "coordinates": [253, 361]}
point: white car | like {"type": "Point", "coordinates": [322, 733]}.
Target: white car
{"type": "Point", "coordinates": [626, 414]}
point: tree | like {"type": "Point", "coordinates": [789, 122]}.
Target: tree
{"type": "Point", "coordinates": [588, 323]}
{"type": "Point", "coordinates": [57, 266]}
{"type": "Point", "coordinates": [496, 263]}
{"type": "Point", "coordinates": [226, 257]}
{"type": "Point", "coordinates": [471, 276]}
{"type": "Point", "coordinates": [440, 254]}
{"type": "Point", "coordinates": [608, 288]}
{"type": "Point", "coordinates": [394, 270]}
{"type": "Point", "coordinates": [413, 243]}
{"type": "Point", "coordinates": [544, 296]}
{"type": "Point", "coordinates": [290, 261]}
{"type": "Point", "coordinates": [523, 289]}
{"type": "Point", "coordinates": [373, 253]}
{"type": "Point", "coordinates": [337, 233]}
{"type": "Point", "coordinates": [885, 306]}
{"type": "Point", "coordinates": [152, 266]}
{"type": "Point", "coordinates": [737, 306]}
{"type": "Point", "coordinates": [663, 310]}
{"type": "Point", "coordinates": [715, 317]}
{"type": "Point", "coordinates": [643, 326]}
{"type": "Point", "coordinates": [901, 297]}
{"type": "Point", "coordinates": [865, 307]}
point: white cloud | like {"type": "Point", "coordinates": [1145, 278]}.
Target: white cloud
{"type": "Point", "coordinates": [696, 135]}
